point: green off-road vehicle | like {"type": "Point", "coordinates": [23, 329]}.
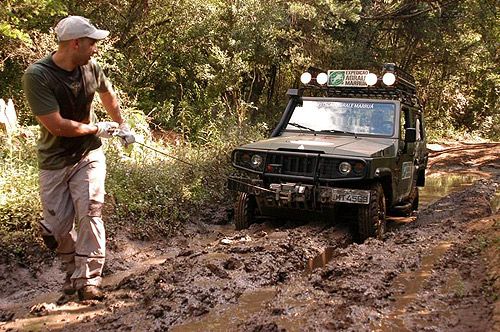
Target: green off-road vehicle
{"type": "Point", "coordinates": [349, 144]}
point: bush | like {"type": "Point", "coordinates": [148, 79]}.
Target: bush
{"type": "Point", "coordinates": [20, 207]}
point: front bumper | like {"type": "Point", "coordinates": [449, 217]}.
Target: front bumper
{"type": "Point", "coordinates": [298, 194]}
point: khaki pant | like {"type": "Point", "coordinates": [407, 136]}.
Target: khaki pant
{"type": "Point", "coordinates": [72, 200]}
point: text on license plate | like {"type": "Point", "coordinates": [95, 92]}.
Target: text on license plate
{"type": "Point", "coordinates": [350, 196]}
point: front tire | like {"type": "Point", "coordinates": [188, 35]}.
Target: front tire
{"type": "Point", "coordinates": [371, 217]}
{"type": "Point", "coordinates": [244, 211]}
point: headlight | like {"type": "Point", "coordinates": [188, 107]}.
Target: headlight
{"type": "Point", "coordinates": [256, 160]}
{"type": "Point", "coordinates": [345, 168]}
{"type": "Point", "coordinates": [250, 160]}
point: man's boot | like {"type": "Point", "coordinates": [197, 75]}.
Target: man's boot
{"type": "Point", "coordinates": [90, 292]}
{"type": "Point", "coordinates": [67, 287]}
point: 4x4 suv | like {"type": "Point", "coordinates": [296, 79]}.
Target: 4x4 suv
{"type": "Point", "coordinates": [349, 143]}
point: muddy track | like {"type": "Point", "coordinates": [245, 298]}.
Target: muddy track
{"type": "Point", "coordinates": [434, 271]}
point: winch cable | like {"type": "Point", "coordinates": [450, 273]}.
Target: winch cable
{"type": "Point", "coordinates": [200, 167]}
{"type": "Point", "coordinates": [170, 156]}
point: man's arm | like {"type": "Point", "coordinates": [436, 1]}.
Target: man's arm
{"type": "Point", "coordinates": [110, 103]}
{"type": "Point", "coordinates": [59, 126]}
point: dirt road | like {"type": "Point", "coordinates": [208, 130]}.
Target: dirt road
{"type": "Point", "coordinates": [438, 270]}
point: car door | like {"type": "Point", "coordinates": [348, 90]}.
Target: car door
{"type": "Point", "coordinates": [406, 154]}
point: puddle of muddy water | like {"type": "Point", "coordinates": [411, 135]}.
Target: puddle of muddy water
{"type": "Point", "coordinates": [410, 283]}
{"type": "Point", "coordinates": [442, 185]}
{"type": "Point", "coordinates": [249, 304]}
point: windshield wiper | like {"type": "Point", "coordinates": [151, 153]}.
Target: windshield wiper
{"type": "Point", "coordinates": [339, 131]}
{"type": "Point", "coordinates": [301, 126]}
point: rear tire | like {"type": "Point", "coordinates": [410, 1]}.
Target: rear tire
{"type": "Point", "coordinates": [371, 217]}
{"type": "Point", "coordinates": [244, 211]}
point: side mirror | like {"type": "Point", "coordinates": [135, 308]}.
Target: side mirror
{"type": "Point", "coordinates": [410, 135]}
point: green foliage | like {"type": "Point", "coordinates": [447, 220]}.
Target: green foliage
{"type": "Point", "coordinates": [24, 38]}
{"type": "Point", "coordinates": [184, 61]}
{"type": "Point", "coordinates": [20, 208]}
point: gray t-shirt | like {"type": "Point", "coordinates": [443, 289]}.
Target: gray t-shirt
{"type": "Point", "coordinates": [49, 88]}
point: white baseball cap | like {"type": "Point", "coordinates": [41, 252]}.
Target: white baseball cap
{"type": "Point", "coordinates": [74, 27]}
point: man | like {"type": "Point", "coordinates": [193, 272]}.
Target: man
{"type": "Point", "coordinates": [60, 89]}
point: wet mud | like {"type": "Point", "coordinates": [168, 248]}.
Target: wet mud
{"type": "Point", "coordinates": [438, 270]}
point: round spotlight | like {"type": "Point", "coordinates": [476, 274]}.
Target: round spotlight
{"type": "Point", "coordinates": [371, 79]}
{"type": "Point", "coordinates": [322, 78]}
{"type": "Point", "coordinates": [345, 168]}
{"type": "Point", "coordinates": [389, 78]}
{"type": "Point", "coordinates": [305, 78]}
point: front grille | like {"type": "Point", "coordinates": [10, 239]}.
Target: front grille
{"type": "Point", "coordinates": [309, 165]}
{"type": "Point", "coordinates": [291, 164]}
{"type": "Point", "coordinates": [328, 168]}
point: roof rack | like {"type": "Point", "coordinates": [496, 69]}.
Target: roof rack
{"type": "Point", "coordinates": [393, 83]}
{"type": "Point", "coordinates": [373, 92]}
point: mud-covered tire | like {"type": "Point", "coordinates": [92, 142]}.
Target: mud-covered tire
{"type": "Point", "coordinates": [371, 217]}
{"type": "Point", "coordinates": [244, 211]}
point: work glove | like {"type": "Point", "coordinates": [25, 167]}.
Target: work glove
{"type": "Point", "coordinates": [126, 136]}
{"type": "Point", "coordinates": [106, 129]}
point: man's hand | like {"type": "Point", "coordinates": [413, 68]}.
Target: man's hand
{"type": "Point", "coordinates": [106, 129]}
{"type": "Point", "coordinates": [126, 136]}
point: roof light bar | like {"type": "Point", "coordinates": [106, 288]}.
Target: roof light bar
{"type": "Point", "coordinates": [393, 82]}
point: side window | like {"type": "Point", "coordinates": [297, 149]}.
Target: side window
{"type": "Point", "coordinates": [420, 129]}
{"type": "Point", "coordinates": [402, 125]}
{"type": "Point", "coordinates": [406, 121]}
{"type": "Point", "coordinates": [411, 119]}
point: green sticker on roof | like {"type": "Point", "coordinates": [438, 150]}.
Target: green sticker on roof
{"type": "Point", "coordinates": [347, 78]}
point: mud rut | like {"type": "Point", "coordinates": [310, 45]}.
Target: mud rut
{"type": "Point", "coordinates": [429, 273]}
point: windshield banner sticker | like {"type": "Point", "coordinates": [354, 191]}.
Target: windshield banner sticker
{"type": "Point", "coordinates": [357, 105]}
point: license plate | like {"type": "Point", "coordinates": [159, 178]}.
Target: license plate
{"type": "Point", "coordinates": [353, 196]}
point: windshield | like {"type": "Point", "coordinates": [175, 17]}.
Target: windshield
{"type": "Point", "coordinates": [367, 117]}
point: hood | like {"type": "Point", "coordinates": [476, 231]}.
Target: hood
{"type": "Point", "coordinates": [329, 144]}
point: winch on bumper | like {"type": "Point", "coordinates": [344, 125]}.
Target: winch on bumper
{"type": "Point", "coordinates": [297, 195]}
